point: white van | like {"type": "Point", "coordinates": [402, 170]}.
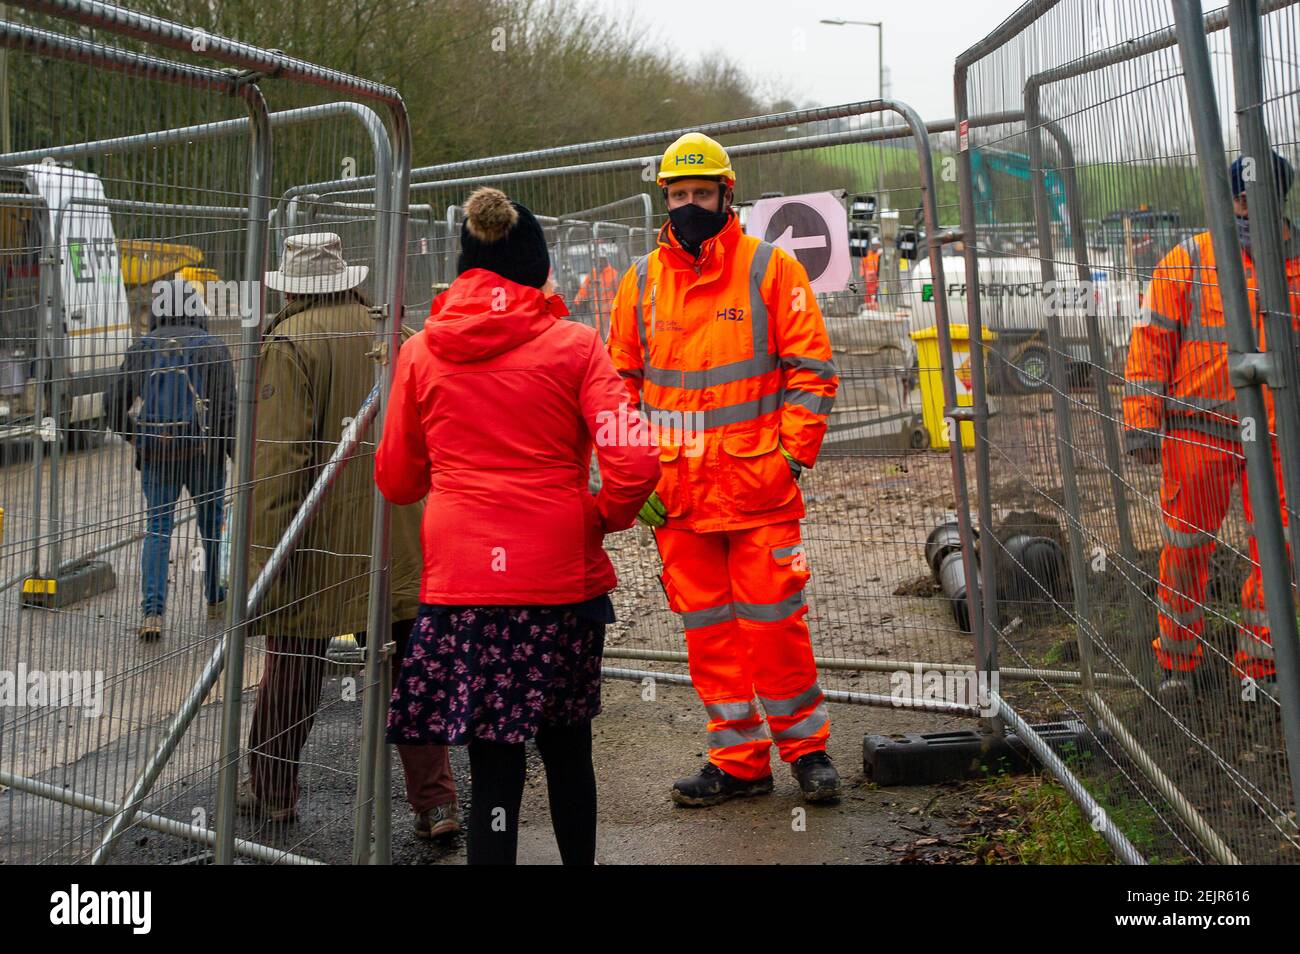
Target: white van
{"type": "Point", "coordinates": [1012, 303]}
{"type": "Point", "coordinates": [63, 309]}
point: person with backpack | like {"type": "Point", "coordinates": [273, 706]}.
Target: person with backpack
{"type": "Point", "coordinates": [174, 402]}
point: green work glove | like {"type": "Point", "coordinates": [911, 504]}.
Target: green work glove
{"type": "Point", "coordinates": [796, 468]}
{"type": "Point", "coordinates": [653, 512]}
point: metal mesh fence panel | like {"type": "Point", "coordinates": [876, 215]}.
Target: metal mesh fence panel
{"type": "Point", "coordinates": [133, 318]}
{"type": "Point", "coordinates": [1114, 514]}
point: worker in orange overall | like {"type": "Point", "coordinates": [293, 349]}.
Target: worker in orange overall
{"type": "Point", "coordinates": [871, 273]}
{"type": "Point", "coordinates": [719, 339]}
{"type": "Point", "coordinates": [1179, 410]}
{"type": "Point", "coordinates": [598, 287]}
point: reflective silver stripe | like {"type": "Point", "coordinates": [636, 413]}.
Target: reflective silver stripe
{"type": "Point", "coordinates": [1204, 405]}
{"type": "Point", "coordinates": [817, 403]}
{"type": "Point", "coordinates": [1156, 320]}
{"type": "Point", "coordinates": [1178, 647]}
{"type": "Point", "coordinates": [732, 711]}
{"type": "Point", "coordinates": [1186, 539]}
{"type": "Point", "coordinates": [1255, 617]}
{"type": "Point", "coordinates": [642, 267]}
{"type": "Point", "coordinates": [712, 377]}
{"type": "Point", "coordinates": [1254, 647]}
{"type": "Point", "coordinates": [635, 373]}
{"type": "Point", "coordinates": [1186, 618]}
{"type": "Point", "coordinates": [788, 707]}
{"type": "Point", "coordinates": [826, 370]}
{"type": "Point", "coordinates": [723, 738]}
{"type": "Point", "coordinates": [757, 306]}
{"type": "Point", "coordinates": [1144, 387]}
{"type": "Point", "coordinates": [695, 619]}
{"type": "Point", "coordinates": [806, 727]}
{"type": "Point", "coordinates": [770, 612]}
{"type": "Point", "coordinates": [1222, 429]}
{"type": "Point", "coordinates": [730, 414]}
{"type": "Point", "coordinates": [782, 552]}
{"type": "Point", "coordinates": [1194, 260]}
{"type": "Point", "coordinates": [1197, 330]}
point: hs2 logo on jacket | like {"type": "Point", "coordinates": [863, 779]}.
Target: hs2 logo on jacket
{"type": "Point", "coordinates": [730, 314]}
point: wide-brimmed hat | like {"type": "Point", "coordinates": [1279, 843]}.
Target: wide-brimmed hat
{"type": "Point", "coordinates": [313, 264]}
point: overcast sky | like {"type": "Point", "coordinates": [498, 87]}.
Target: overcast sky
{"type": "Point", "coordinates": [781, 42]}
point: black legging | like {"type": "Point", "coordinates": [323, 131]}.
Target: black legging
{"type": "Point", "coordinates": [497, 786]}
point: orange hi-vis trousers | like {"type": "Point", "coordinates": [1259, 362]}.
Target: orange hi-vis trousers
{"type": "Point", "coordinates": [740, 596]}
{"type": "Point", "coordinates": [1198, 472]}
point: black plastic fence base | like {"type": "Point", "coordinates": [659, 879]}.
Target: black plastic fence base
{"type": "Point", "coordinates": [926, 758]}
{"type": "Point", "coordinates": [72, 585]}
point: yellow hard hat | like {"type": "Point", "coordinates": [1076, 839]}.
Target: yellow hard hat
{"type": "Point", "coordinates": [696, 156]}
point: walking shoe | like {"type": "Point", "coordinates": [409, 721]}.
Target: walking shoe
{"type": "Point", "coordinates": [1176, 689]}
{"type": "Point", "coordinates": [713, 786]}
{"type": "Point", "coordinates": [438, 821]}
{"type": "Point", "coordinates": [217, 610]}
{"type": "Point", "coordinates": [817, 777]}
{"type": "Point", "coordinates": [150, 627]}
{"type": "Point", "coordinates": [250, 806]}
{"type": "Point", "coordinates": [1186, 689]}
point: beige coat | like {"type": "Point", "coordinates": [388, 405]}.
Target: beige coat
{"type": "Point", "coordinates": [314, 375]}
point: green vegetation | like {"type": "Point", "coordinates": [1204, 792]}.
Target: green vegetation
{"type": "Point", "coordinates": [479, 77]}
{"type": "Point", "coordinates": [1045, 827]}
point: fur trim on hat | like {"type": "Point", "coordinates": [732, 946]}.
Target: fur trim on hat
{"type": "Point", "coordinates": [489, 215]}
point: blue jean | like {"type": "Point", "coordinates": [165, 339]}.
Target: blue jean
{"type": "Point", "coordinates": [204, 476]}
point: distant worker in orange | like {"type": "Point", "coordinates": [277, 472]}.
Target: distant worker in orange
{"type": "Point", "coordinates": [1179, 410]}
{"type": "Point", "coordinates": [719, 338]}
{"type": "Point", "coordinates": [598, 287]}
{"type": "Point", "coordinates": [871, 273]}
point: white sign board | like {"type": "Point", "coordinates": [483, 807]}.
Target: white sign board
{"type": "Point", "coordinates": [814, 228]}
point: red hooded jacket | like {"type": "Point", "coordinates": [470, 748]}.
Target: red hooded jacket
{"type": "Point", "coordinates": [494, 412]}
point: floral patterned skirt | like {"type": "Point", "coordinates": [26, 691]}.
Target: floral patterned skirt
{"type": "Point", "coordinates": [496, 673]}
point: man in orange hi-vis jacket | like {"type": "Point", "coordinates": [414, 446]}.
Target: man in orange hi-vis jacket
{"type": "Point", "coordinates": [1179, 410]}
{"type": "Point", "coordinates": [598, 288]}
{"type": "Point", "coordinates": [871, 273]}
{"type": "Point", "coordinates": [720, 340]}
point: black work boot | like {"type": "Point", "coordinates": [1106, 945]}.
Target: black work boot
{"type": "Point", "coordinates": [1186, 689]}
{"type": "Point", "coordinates": [713, 786]}
{"type": "Point", "coordinates": [817, 777]}
{"type": "Point", "coordinates": [1177, 689]}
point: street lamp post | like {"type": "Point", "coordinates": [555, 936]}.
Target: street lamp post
{"type": "Point", "coordinates": [887, 264]}
{"type": "Point", "coordinates": [880, 44]}
{"type": "Point", "coordinates": [880, 79]}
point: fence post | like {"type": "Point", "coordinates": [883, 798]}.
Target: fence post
{"type": "Point", "coordinates": [1243, 352]}
{"type": "Point", "coordinates": [1060, 385]}
{"type": "Point", "coordinates": [1100, 370]}
{"type": "Point", "coordinates": [986, 636]}
{"type": "Point", "coordinates": [373, 774]}
{"type": "Point", "coordinates": [245, 435]}
{"type": "Point", "coordinates": [1265, 209]}
{"type": "Point", "coordinates": [953, 415]}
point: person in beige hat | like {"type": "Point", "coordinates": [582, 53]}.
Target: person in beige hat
{"type": "Point", "coordinates": [313, 264]}
{"type": "Point", "coordinates": [313, 377]}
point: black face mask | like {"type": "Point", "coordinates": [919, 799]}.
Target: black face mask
{"type": "Point", "coordinates": [695, 225]}
{"type": "Point", "coordinates": [1243, 233]}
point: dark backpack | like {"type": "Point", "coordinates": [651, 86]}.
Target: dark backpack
{"type": "Point", "coordinates": [173, 417]}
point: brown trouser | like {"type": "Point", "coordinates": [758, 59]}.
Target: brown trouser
{"type": "Point", "coordinates": [287, 699]}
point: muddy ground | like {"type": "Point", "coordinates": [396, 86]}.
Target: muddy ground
{"type": "Point", "coordinates": [640, 747]}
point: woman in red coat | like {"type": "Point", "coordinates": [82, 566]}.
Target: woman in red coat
{"type": "Point", "coordinates": [495, 410]}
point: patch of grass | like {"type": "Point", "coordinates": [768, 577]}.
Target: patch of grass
{"type": "Point", "coordinates": [1043, 827]}
{"type": "Point", "coordinates": [1030, 819]}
